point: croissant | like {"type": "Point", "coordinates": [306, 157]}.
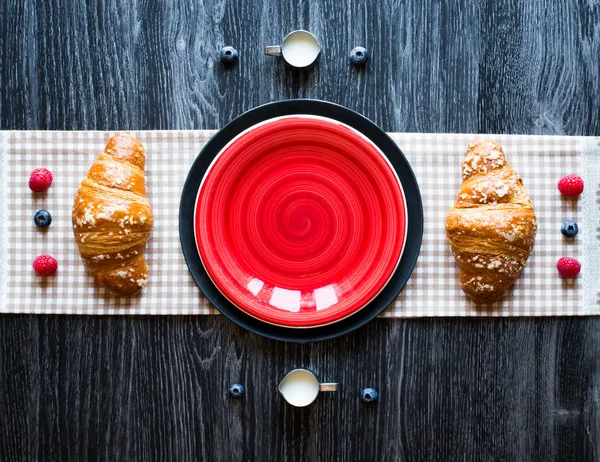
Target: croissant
{"type": "Point", "coordinates": [112, 218]}
{"type": "Point", "coordinates": [492, 226]}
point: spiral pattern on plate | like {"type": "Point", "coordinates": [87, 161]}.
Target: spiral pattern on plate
{"type": "Point", "coordinates": [300, 221]}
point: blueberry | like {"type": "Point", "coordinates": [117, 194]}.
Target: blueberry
{"type": "Point", "coordinates": [236, 390]}
{"type": "Point", "coordinates": [42, 218]}
{"type": "Point", "coordinates": [369, 395]}
{"type": "Point", "coordinates": [229, 55]}
{"type": "Point", "coordinates": [359, 56]}
{"type": "Point", "coordinates": [569, 228]}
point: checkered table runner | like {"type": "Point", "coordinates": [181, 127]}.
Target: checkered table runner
{"type": "Point", "coordinates": [433, 289]}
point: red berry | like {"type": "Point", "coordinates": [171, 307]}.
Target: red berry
{"type": "Point", "coordinates": [40, 180]}
{"type": "Point", "coordinates": [568, 267]}
{"type": "Point", "coordinates": [45, 265]}
{"type": "Point", "coordinates": [570, 185]}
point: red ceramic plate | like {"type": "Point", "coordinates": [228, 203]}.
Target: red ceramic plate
{"type": "Point", "coordinates": [300, 221]}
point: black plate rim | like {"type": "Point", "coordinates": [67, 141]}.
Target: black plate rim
{"type": "Point", "coordinates": [414, 207]}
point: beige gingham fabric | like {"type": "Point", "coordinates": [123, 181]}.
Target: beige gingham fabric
{"type": "Point", "coordinates": [433, 289]}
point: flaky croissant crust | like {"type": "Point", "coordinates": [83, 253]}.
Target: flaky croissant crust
{"type": "Point", "coordinates": [492, 226]}
{"type": "Point", "coordinates": [112, 218]}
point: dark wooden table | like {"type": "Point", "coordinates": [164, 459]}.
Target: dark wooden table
{"type": "Point", "coordinates": [155, 388]}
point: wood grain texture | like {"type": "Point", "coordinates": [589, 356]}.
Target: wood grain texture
{"type": "Point", "coordinates": [148, 388]}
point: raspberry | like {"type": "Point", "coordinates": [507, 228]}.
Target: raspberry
{"type": "Point", "coordinates": [570, 185]}
{"type": "Point", "coordinates": [568, 267]}
{"type": "Point", "coordinates": [45, 265]}
{"type": "Point", "coordinates": [40, 180]}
